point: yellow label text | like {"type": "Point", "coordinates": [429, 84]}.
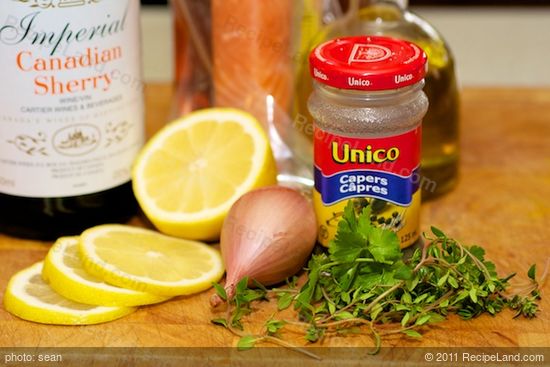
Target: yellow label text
{"type": "Point", "coordinates": [345, 154]}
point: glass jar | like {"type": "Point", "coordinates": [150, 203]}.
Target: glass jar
{"type": "Point", "coordinates": [367, 107]}
{"type": "Point", "coordinates": [440, 142]}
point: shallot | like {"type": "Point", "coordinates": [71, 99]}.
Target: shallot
{"type": "Point", "coordinates": [268, 235]}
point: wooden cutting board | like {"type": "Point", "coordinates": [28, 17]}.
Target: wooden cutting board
{"type": "Point", "coordinates": [501, 202]}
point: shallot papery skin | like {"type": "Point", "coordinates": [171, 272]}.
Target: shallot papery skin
{"type": "Point", "coordinates": [268, 235]}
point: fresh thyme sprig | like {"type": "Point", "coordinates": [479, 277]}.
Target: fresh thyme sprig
{"type": "Point", "coordinates": [364, 280]}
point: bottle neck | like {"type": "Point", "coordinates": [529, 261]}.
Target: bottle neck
{"type": "Point", "coordinates": [403, 4]}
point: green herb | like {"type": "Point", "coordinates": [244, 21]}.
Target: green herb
{"type": "Point", "coordinates": [273, 326]}
{"type": "Point", "coordinates": [242, 301]}
{"type": "Point", "coordinates": [364, 281]}
{"type": "Point", "coordinates": [246, 342]}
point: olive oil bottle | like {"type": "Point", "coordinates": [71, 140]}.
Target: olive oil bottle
{"type": "Point", "coordinates": [440, 142]}
{"type": "Point", "coordinates": [71, 114]}
{"type": "Point", "coordinates": [440, 150]}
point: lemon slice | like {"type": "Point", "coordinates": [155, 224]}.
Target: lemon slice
{"type": "Point", "coordinates": [29, 297]}
{"type": "Point", "coordinates": [64, 272]}
{"type": "Point", "coordinates": [148, 261]}
{"type": "Point", "coordinates": [190, 173]}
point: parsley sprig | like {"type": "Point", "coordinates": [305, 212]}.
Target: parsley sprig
{"type": "Point", "coordinates": [365, 281]}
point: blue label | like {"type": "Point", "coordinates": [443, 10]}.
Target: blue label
{"type": "Point", "coordinates": [360, 183]}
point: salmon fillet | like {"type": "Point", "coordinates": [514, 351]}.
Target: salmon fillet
{"type": "Point", "coordinates": [252, 65]}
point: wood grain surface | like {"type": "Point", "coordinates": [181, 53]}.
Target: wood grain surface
{"type": "Point", "coordinates": [502, 202]}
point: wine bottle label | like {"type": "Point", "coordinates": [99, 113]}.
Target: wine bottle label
{"type": "Point", "coordinates": [382, 173]}
{"type": "Point", "coordinates": [71, 98]}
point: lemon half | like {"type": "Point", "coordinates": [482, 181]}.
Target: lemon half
{"type": "Point", "coordinates": [190, 173]}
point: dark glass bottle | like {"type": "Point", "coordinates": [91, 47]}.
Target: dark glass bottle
{"type": "Point", "coordinates": [71, 115]}
{"type": "Point", "coordinates": [50, 218]}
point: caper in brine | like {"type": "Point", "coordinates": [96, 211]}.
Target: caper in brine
{"type": "Point", "coordinates": [378, 205]}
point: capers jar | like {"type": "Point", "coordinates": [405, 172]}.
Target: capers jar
{"type": "Point", "coordinates": [368, 106]}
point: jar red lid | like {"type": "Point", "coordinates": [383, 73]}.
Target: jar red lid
{"type": "Point", "coordinates": [368, 63]}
